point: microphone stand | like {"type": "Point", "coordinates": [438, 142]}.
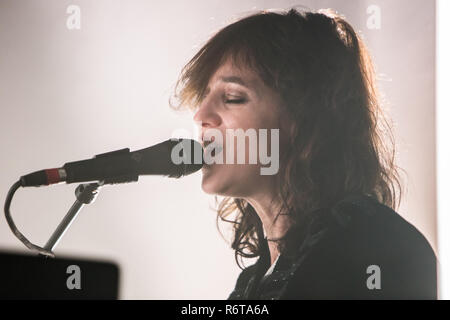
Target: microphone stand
{"type": "Point", "coordinates": [85, 194]}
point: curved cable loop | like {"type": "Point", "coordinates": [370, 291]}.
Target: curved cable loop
{"type": "Point", "coordinates": [16, 231]}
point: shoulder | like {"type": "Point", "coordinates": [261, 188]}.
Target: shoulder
{"type": "Point", "coordinates": [375, 230]}
{"type": "Point", "coordinates": [376, 226]}
{"type": "Point", "coordinates": [367, 251]}
{"type": "Point", "coordinates": [242, 282]}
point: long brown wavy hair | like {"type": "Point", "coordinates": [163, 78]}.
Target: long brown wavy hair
{"type": "Point", "coordinates": [341, 144]}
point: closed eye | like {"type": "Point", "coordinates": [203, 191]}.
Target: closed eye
{"type": "Point", "coordinates": [236, 101]}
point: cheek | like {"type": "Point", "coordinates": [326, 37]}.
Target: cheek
{"type": "Point", "coordinates": [251, 119]}
{"type": "Point", "coordinates": [240, 120]}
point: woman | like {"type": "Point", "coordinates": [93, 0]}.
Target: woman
{"type": "Point", "coordinates": [323, 226]}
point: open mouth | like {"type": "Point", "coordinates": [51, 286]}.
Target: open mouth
{"type": "Point", "coordinates": [206, 143]}
{"type": "Point", "coordinates": [217, 149]}
{"type": "Point", "coordinates": [212, 147]}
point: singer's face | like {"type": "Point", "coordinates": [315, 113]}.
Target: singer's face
{"type": "Point", "coordinates": [236, 98]}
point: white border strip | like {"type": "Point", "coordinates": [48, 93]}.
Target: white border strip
{"type": "Point", "coordinates": [443, 144]}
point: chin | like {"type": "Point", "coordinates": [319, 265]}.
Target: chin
{"type": "Point", "coordinates": [219, 181]}
{"type": "Point", "coordinates": [214, 187]}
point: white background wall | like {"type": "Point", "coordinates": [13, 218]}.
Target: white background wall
{"type": "Point", "coordinates": [71, 94]}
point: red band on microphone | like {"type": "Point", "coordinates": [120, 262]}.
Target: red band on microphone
{"type": "Point", "coordinates": [52, 176]}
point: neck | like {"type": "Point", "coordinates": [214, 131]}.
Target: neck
{"type": "Point", "coordinates": [275, 225]}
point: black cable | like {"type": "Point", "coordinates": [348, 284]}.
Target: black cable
{"type": "Point", "coordinates": [13, 227]}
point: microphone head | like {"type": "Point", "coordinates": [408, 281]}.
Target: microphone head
{"type": "Point", "coordinates": [174, 158]}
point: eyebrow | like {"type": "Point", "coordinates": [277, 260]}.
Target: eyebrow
{"type": "Point", "coordinates": [235, 79]}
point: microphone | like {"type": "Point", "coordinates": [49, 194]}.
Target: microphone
{"type": "Point", "coordinates": [173, 158]}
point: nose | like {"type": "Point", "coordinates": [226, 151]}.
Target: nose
{"type": "Point", "coordinates": [207, 116]}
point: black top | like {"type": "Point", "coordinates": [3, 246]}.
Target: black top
{"type": "Point", "coordinates": [360, 249]}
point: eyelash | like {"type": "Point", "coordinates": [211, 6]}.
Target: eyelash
{"type": "Point", "coordinates": [235, 101]}
{"type": "Point", "coordinates": [229, 101]}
